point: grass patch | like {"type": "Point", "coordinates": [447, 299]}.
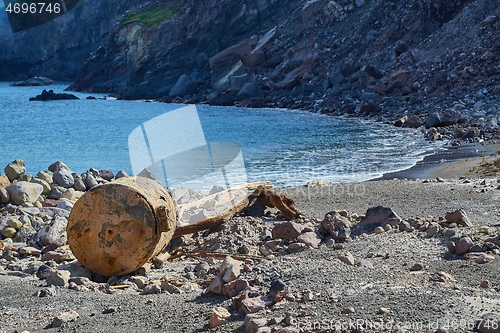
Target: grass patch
{"type": "Point", "coordinates": [151, 18]}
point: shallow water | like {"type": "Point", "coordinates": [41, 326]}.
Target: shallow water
{"type": "Point", "coordinates": [287, 147]}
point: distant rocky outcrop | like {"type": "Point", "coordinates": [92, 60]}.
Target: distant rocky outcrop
{"type": "Point", "coordinates": [50, 95]}
{"type": "Point", "coordinates": [34, 81]}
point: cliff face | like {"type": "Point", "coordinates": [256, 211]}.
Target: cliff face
{"type": "Point", "coordinates": [140, 61]}
{"type": "Point", "coordinates": [344, 56]}
{"type": "Point", "coordinates": [58, 49]}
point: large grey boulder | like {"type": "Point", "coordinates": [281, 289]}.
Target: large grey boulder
{"type": "Point", "coordinates": [22, 193]}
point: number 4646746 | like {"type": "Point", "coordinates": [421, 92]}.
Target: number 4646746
{"type": "Point", "coordinates": [33, 8]}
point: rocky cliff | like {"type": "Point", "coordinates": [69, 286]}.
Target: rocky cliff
{"type": "Point", "coordinates": [345, 56]}
{"type": "Point", "coordinates": [58, 49]}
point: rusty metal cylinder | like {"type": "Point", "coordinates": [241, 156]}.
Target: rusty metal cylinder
{"type": "Point", "coordinates": [115, 228]}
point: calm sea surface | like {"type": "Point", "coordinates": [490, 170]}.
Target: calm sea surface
{"type": "Point", "coordinates": [284, 146]}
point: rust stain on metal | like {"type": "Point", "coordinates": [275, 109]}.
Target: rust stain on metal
{"type": "Point", "coordinates": [117, 227]}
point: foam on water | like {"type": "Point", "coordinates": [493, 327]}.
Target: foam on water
{"type": "Point", "coordinates": [286, 147]}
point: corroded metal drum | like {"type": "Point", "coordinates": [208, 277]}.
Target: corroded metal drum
{"type": "Point", "coordinates": [115, 228]}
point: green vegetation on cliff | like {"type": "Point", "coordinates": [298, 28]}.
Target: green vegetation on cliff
{"type": "Point", "coordinates": [153, 17]}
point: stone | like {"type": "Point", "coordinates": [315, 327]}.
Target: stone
{"type": "Point", "coordinates": [53, 233]}
{"type": "Point", "coordinates": [459, 217]}
{"type": "Point", "coordinates": [79, 184]}
{"type": "Point", "coordinates": [416, 267]}
{"type": "Point", "coordinates": [463, 245]}
{"type": "Point", "coordinates": [254, 304]}
{"type": "Point", "coordinates": [64, 178]}
{"type": "Point", "coordinates": [58, 278]}
{"type": "Point", "coordinates": [472, 133]}
{"type": "Point", "coordinates": [14, 223]}
{"type": "Point", "coordinates": [4, 196]}
{"type": "Point", "coordinates": [29, 251]}
{"type": "Point", "coordinates": [65, 204]}
{"type": "Point", "coordinates": [250, 90]}
{"type": "Point", "coordinates": [442, 277]}
{"type": "Point", "coordinates": [310, 238]}
{"type": "Point", "coordinates": [485, 284]}
{"type": "Point", "coordinates": [413, 122]}
{"type": "Point", "coordinates": [15, 169]}
{"type": "Point", "coordinates": [254, 324]}
{"type": "Point", "coordinates": [183, 86]}
{"type": "Point", "coordinates": [230, 269]}
{"type": "Point", "coordinates": [485, 258]}
{"type": "Point", "coordinates": [46, 292]}
{"type": "Point", "coordinates": [170, 288]}
{"type": "Point", "coordinates": [139, 281]}
{"type": "Point", "coordinates": [215, 286]}
{"type": "Point", "coordinates": [218, 316]}
{"type": "Point", "coordinates": [287, 230]}
{"type": "Point", "coordinates": [59, 256]}
{"type": "Point", "coordinates": [4, 181]}
{"type": "Point", "coordinates": [336, 225]}
{"type": "Point", "coordinates": [433, 230]}
{"type": "Point", "coordinates": [45, 176]}
{"type": "Point", "coordinates": [90, 181]}
{"type": "Point", "coordinates": [106, 175]}
{"type": "Point", "coordinates": [121, 174]}
{"type": "Point", "coordinates": [56, 166]}
{"type": "Point", "coordinates": [347, 311]}
{"type": "Point", "coordinates": [22, 193]}
{"type": "Point", "coordinates": [151, 289]}
{"type": "Point", "coordinates": [74, 268]}
{"type": "Point", "coordinates": [433, 120]}
{"type": "Point", "coordinates": [235, 287]}
{"type": "Point", "coordinates": [347, 258]}
{"type": "Point", "coordinates": [450, 117]}
{"type": "Point", "coordinates": [46, 186]}
{"type": "Point", "coordinates": [8, 232]}
{"type": "Point", "coordinates": [296, 247]}
{"type": "Point", "coordinates": [64, 317]}
{"type": "Point", "coordinates": [376, 217]}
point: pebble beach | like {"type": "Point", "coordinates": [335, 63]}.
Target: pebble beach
{"type": "Point", "coordinates": [405, 254]}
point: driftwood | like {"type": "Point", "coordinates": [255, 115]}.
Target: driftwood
{"type": "Point", "coordinates": [249, 186]}
{"type": "Point", "coordinates": [261, 195]}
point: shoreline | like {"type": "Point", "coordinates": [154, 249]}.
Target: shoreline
{"type": "Point", "coordinates": [449, 163]}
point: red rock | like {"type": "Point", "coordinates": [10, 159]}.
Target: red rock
{"type": "Point", "coordinates": [287, 230]}
{"type": "Point", "coordinates": [218, 316]}
{"type": "Point", "coordinates": [459, 217]}
{"type": "Point", "coordinates": [230, 269]}
{"type": "Point", "coordinates": [254, 304]}
{"type": "Point", "coordinates": [347, 258]}
{"type": "Point", "coordinates": [215, 286]}
{"type": "Point", "coordinates": [463, 245]}
{"type": "Point", "coordinates": [235, 287]}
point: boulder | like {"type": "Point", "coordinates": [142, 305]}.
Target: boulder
{"type": "Point", "coordinates": [413, 122]}
{"type": "Point", "coordinates": [46, 176]}
{"type": "Point", "coordinates": [336, 225]}
{"type": "Point", "coordinates": [459, 217]}
{"type": "Point", "coordinates": [463, 245]}
{"type": "Point", "coordinates": [64, 178]}
{"type": "Point", "coordinates": [450, 117]}
{"type": "Point", "coordinates": [376, 217]}
{"type": "Point", "coordinates": [230, 269]}
{"type": "Point", "coordinates": [15, 169]}
{"type": "Point", "coordinates": [46, 186]}
{"type": "Point", "coordinates": [287, 230]}
{"type": "Point", "coordinates": [433, 120]}
{"type": "Point", "coordinates": [53, 233]}
{"type": "Point", "coordinates": [4, 181]}
{"type": "Point", "coordinates": [250, 90]}
{"type": "Point", "coordinates": [218, 316]}
{"type": "Point", "coordinates": [298, 60]}
{"type": "Point", "coordinates": [183, 86]}
{"type": "Point", "coordinates": [22, 193]}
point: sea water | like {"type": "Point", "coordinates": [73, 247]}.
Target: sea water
{"type": "Point", "coordinates": [287, 147]}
